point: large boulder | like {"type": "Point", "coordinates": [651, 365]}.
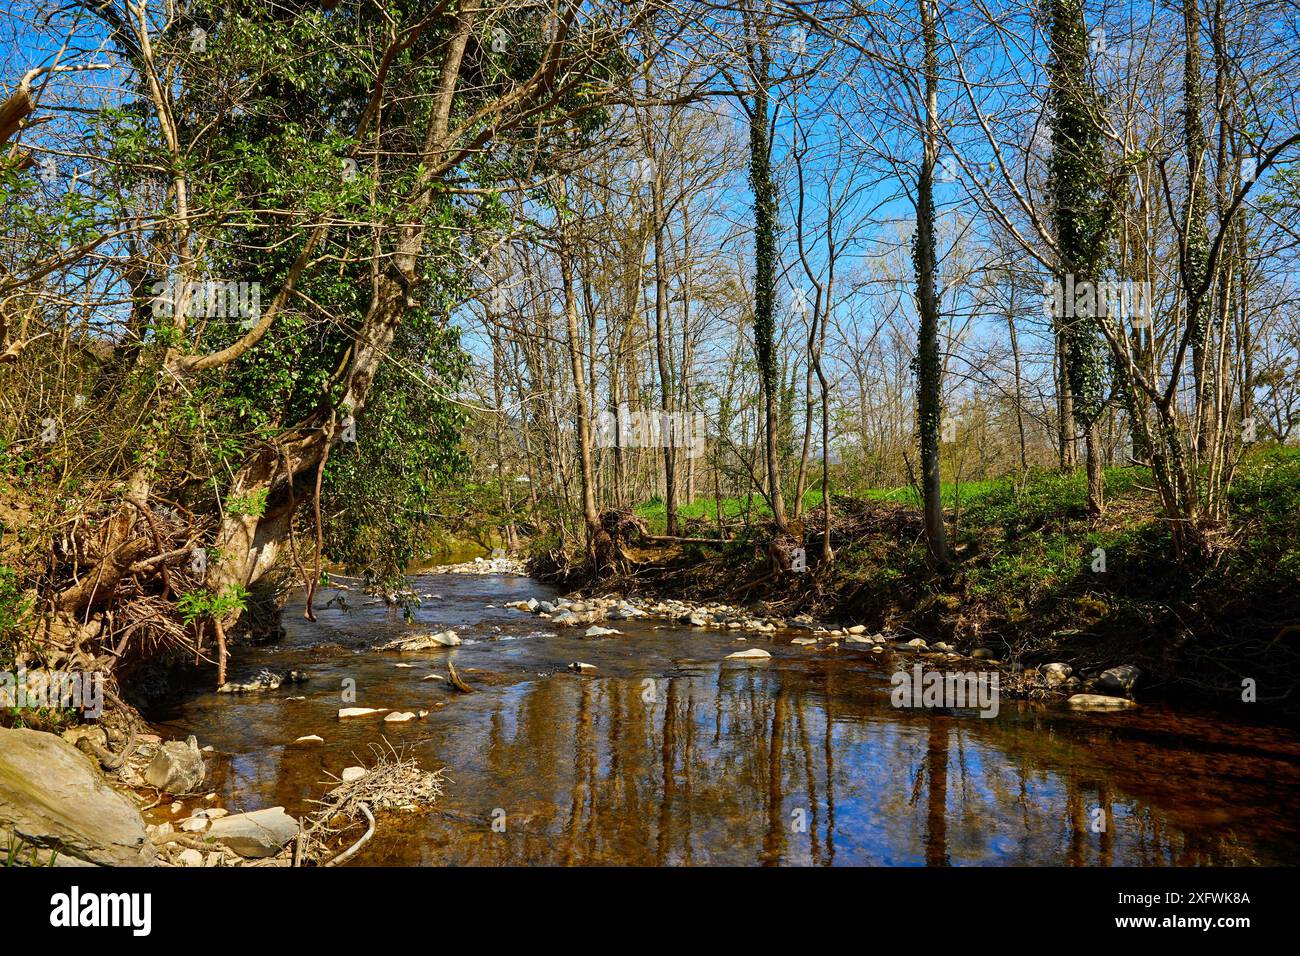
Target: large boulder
{"type": "Point", "coordinates": [1118, 681]}
{"type": "Point", "coordinates": [177, 767]}
{"type": "Point", "coordinates": [257, 834]}
{"type": "Point", "coordinates": [52, 797]}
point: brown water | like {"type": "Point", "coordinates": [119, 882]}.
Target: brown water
{"type": "Point", "coordinates": [668, 755]}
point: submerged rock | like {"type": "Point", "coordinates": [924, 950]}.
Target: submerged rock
{"type": "Point", "coordinates": [399, 717]}
{"type": "Point", "coordinates": [53, 799]}
{"type": "Point", "coordinates": [266, 680]}
{"type": "Point", "coordinates": [749, 654]}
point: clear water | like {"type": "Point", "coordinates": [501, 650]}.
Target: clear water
{"type": "Point", "coordinates": [669, 755]}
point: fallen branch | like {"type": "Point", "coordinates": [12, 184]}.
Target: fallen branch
{"type": "Point", "coordinates": [365, 838]}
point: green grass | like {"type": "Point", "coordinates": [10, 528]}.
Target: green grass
{"type": "Point", "coordinates": [655, 512]}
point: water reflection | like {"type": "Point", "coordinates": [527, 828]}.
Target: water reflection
{"type": "Point", "coordinates": [671, 756]}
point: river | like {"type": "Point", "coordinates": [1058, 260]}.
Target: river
{"type": "Point", "coordinates": [668, 755]}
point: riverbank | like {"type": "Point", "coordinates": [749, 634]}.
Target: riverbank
{"type": "Point", "coordinates": [1036, 582]}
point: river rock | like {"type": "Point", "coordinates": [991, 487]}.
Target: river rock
{"type": "Point", "coordinates": [582, 668]}
{"type": "Point", "coordinates": [399, 717]}
{"type": "Point", "coordinates": [858, 639]}
{"type": "Point", "coordinates": [597, 631]}
{"type": "Point", "coordinates": [749, 654]}
{"type": "Point", "coordinates": [258, 834]}
{"type": "Point", "coordinates": [52, 797]}
{"type": "Point", "coordinates": [310, 739]}
{"type": "Point", "coordinates": [350, 774]}
{"type": "Point", "coordinates": [347, 712]}
{"type": "Point", "coordinates": [532, 604]}
{"type": "Point", "coordinates": [1055, 674]}
{"type": "Point", "coordinates": [856, 629]}
{"type": "Point", "coordinates": [1118, 681]}
{"type": "Point", "coordinates": [189, 857]}
{"type": "Point", "coordinates": [804, 640]}
{"type": "Point", "coordinates": [1099, 702]}
{"type": "Point", "coordinates": [422, 642]}
{"type": "Point", "coordinates": [917, 643]}
{"type": "Point", "coordinates": [177, 767]}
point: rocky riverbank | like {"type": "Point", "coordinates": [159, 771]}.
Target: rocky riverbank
{"type": "Point", "coordinates": [58, 805]}
{"type": "Point", "coordinates": [1096, 690]}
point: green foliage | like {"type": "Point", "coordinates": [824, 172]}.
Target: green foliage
{"type": "Point", "coordinates": [381, 490]}
{"type": "Point", "coordinates": [203, 604]}
{"type": "Point", "coordinates": [14, 609]}
{"type": "Point", "coordinates": [252, 504]}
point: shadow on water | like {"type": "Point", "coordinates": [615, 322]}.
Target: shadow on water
{"type": "Point", "coordinates": [670, 755]}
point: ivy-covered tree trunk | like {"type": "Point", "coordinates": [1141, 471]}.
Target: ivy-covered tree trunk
{"type": "Point", "coordinates": [765, 266]}
{"type": "Point", "coordinates": [929, 363]}
{"type": "Point", "coordinates": [1196, 240]}
{"type": "Point", "coordinates": [1081, 216]}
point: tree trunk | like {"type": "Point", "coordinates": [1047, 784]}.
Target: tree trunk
{"type": "Point", "coordinates": [929, 366]}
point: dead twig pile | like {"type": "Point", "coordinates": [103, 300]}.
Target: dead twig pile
{"type": "Point", "coordinates": [394, 782]}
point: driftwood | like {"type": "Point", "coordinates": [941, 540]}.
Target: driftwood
{"type": "Point", "coordinates": [456, 680]}
{"type": "Point", "coordinates": [351, 851]}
